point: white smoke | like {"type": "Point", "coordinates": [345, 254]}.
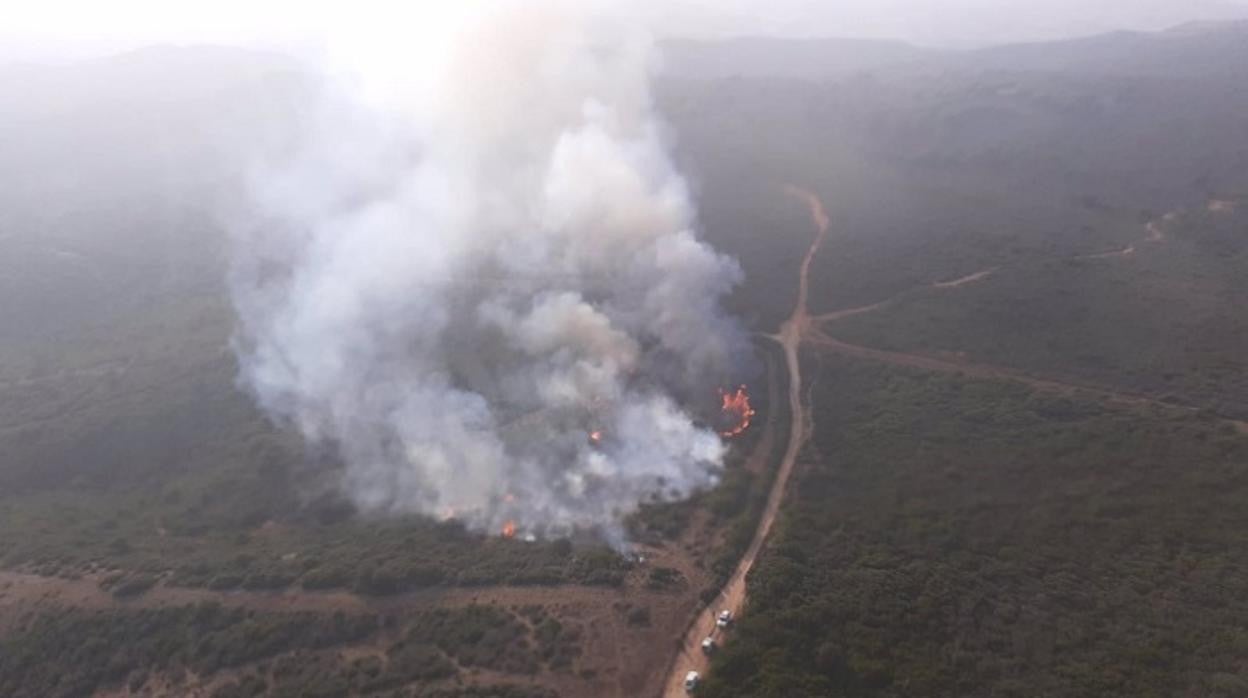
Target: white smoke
{"type": "Point", "coordinates": [479, 253]}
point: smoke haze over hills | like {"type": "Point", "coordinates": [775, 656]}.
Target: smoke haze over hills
{"type": "Point", "coordinates": [68, 28]}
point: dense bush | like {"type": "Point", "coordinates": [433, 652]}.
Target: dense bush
{"type": "Point", "coordinates": [74, 653]}
{"type": "Point", "coordinates": [1166, 321]}
{"type": "Point", "coordinates": [483, 636]}
{"type": "Point", "coordinates": [971, 538]}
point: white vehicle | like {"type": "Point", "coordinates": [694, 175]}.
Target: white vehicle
{"type": "Point", "coordinates": [724, 618]}
{"type": "Point", "coordinates": [691, 680]}
{"type": "Point", "coordinates": [708, 645]}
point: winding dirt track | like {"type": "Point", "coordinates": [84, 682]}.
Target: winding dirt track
{"type": "Point", "coordinates": [819, 338]}
{"type": "Point", "coordinates": [25, 591]}
{"type": "Point", "coordinates": [979, 370]}
{"type": "Point", "coordinates": [732, 596]}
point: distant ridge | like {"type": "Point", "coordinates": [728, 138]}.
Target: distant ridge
{"type": "Point", "coordinates": [1190, 50]}
{"type": "Point", "coordinates": [796, 58]}
{"type": "Point", "coordinates": [1207, 27]}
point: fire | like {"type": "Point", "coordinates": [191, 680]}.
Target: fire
{"type": "Point", "coordinates": [736, 411]}
{"type": "Point", "coordinates": [595, 437]}
{"type": "Point", "coordinates": [509, 529]}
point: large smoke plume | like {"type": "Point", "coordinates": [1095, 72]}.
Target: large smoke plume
{"type": "Point", "coordinates": [477, 254]}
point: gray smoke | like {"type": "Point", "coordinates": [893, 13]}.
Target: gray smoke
{"type": "Point", "coordinates": [477, 254]}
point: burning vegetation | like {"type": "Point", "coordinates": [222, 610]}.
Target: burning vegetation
{"type": "Point", "coordinates": [735, 412]}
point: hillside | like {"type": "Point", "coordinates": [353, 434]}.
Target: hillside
{"type": "Point", "coordinates": [1024, 466]}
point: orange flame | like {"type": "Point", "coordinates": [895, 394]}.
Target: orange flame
{"type": "Point", "coordinates": [595, 437]}
{"type": "Point", "coordinates": [736, 411]}
{"type": "Point", "coordinates": [509, 529]}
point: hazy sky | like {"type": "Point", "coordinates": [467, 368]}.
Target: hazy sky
{"type": "Point", "coordinates": [54, 29]}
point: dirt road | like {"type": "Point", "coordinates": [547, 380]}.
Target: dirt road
{"type": "Point", "coordinates": [1155, 233]}
{"type": "Point", "coordinates": [25, 591]}
{"type": "Point", "coordinates": [968, 279]}
{"type": "Point", "coordinates": [619, 658]}
{"type": "Point", "coordinates": [732, 596]}
{"type": "Point", "coordinates": [980, 370]}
